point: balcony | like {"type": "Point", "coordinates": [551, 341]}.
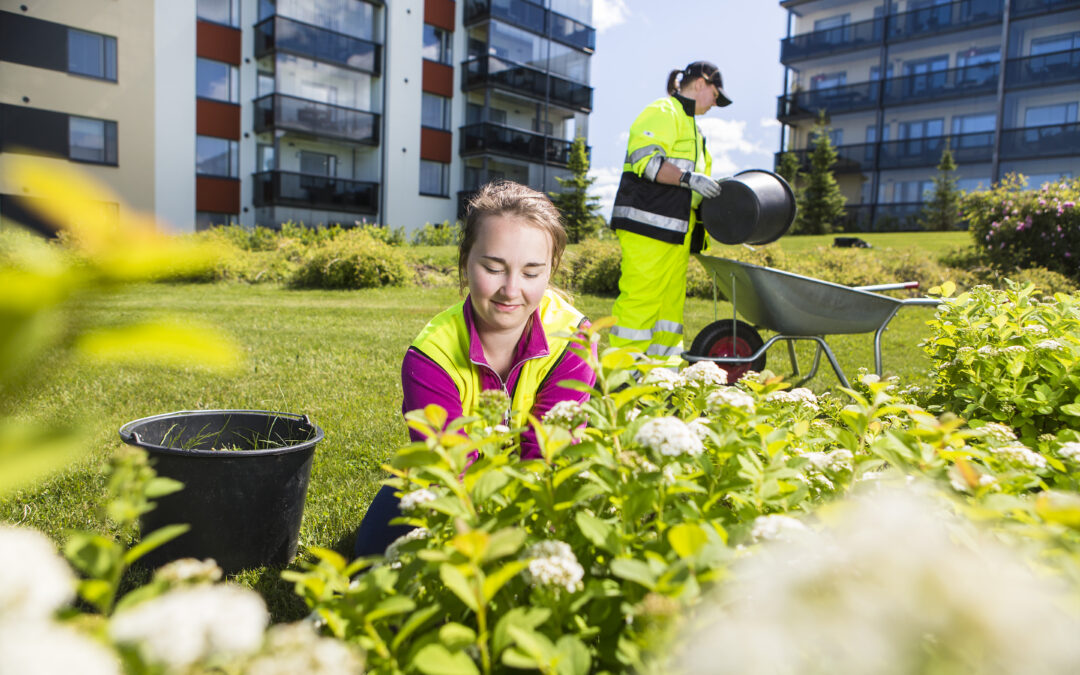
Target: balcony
{"type": "Point", "coordinates": [277, 111]}
{"type": "Point", "coordinates": [889, 217]}
{"type": "Point", "coordinates": [943, 19]}
{"type": "Point", "coordinates": [512, 142]}
{"type": "Point", "coordinates": [491, 71]}
{"type": "Point", "coordinates": [966, 81]}
{"type": "Point", "coordinates": [832, 40]}
{"type": "Point", "coordinates": [283, 188]}
{"type": "Point", "coordinates": [849, 158]}
{"type": "Point", "coordinates": [533, 17]}
{"type": "Point", "coordinates": [1055, 140]}
{"type": "Point", "coordinates": [1044, 69]}
{"type": "Point", "coordinates": [926, 151]}
{"type": "Point", "coordinates": [806, 104]}
{"type": "Point", "coordinates": [277, 33]}
{"type": "Point", "coordinates": [1022, 8]}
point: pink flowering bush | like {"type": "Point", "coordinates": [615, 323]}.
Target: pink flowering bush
{"type": "Point", "coordinates": [1022, 228]}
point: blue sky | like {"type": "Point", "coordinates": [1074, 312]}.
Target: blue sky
{"type": "Point", "coordinates": [639, 41]}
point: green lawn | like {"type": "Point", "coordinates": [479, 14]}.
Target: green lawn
{"type": "Point", "coordinates": [334, 355]}
{"type": "Point", "coordinates": [935, 243]}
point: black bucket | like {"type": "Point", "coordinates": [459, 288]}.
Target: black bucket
{"type": "Point", "coordinates": [754, 207]}
{"type": "Point", "coordinates": [245, 476]}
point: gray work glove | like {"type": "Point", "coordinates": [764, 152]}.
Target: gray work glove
{"type": "Point", "coordinates": [700, 183]}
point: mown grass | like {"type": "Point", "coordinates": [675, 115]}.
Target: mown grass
{"type": "Point", "coordinates": [334, 355]}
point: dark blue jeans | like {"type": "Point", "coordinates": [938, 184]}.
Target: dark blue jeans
{"type": "Point", "coordinates": [375, 532]}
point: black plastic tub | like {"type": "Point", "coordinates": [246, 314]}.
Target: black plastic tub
{"type": "Point", "coordinates": [245, 476]}
{"type": "Point", "coordinates": [754, 207]}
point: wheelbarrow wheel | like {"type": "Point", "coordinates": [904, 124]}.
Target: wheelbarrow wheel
{"type": "Point", "coordinates": [721, 338]}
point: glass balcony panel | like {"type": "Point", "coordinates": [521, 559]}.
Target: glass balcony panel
{"type": "Point", "coordinates": [564, 29]}
{"type": "Point", "coordinates": [943, 18]}
{"type": "Point", "coordinates": [1055, 140]}
{"type": "Point", "coordinates": [283, 188]}
{"type": "Point", "coordinates": [926, 151]}
{"type": "Point", "coordinates": [1043, 69]}
{"type": "Point", "coordinates": [1027, 7]}
{"type": "Point", "coordinates": [977, 79]}
{"type": "Point", "coordinates": [849, 158]}
{"type": "Point", "coordinates": [279, 33]}
{"type": "Point", "coordinates": [832, 40]}
{"type": "Point", "coordinates": [319, 119]}
{"type": "Point", "coordinates": [513, 142]}
{"type": "Point", "coordinates": [522, 13]}
{"type": "Point", "coordinates": [859, 96]}
{"type": "Point", "coordinates": [515, 77]}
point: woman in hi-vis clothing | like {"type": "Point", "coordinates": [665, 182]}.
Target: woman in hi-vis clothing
{"type": "Point", "coordinates": [666, 174]}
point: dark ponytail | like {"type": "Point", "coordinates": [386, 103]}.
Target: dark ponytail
{"type": "Point", "coordinates": [672, 76]}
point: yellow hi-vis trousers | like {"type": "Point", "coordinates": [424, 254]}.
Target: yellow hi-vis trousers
{"type": "Point", "coordinates": [652, 290]}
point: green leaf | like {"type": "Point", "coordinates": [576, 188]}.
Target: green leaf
{"type": "Point", "coordinates": [536, 645]}
{"type": "Point", "coordinates": [501, 576]}
{"type": "Point", "coordinates": [95, 591]}
{"type": "Point", "coordinates": [455, 636]}
{"type": "Point", "coordinates": [392, 606]}
{"type": "Point", "coordinates": [413, 623]}
{"type": "Point", "coordinates": [504, 542]}
{"type": "Point", "coordinates": [162, 343]}
{"type": "Point", "coordinates": [635, 571]}
{"type": "Point", "coordinates": [521, 617]}
{"type": "Point", "coordinates": [515, 658]}
{"type": "Point", "coordinates": [151, 541]}
{"type": "Point", "coordinates": [687, 539]}
{"type": "Point", "coordinates": [28, 454]}
{"type": "Point", "coordinates": [159, 486]}
{"type": "Point", "coordinates": [1071, 409]}
{"type": "Point", "coordinates": [488, 484]}
{"type": "Point", "coordinates": [454, 580]}
{"type": "Point", "coordinates": [573, 656]}
{"type": "Point", "coordinates": [435, 659]}
{"type": "Point", "coordinates": [96, 556]}
{"type": "Point", "coordinates": [595, 530]}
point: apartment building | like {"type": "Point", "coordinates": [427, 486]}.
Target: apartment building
{"type": "Point", "coordinates": [996, 81]}
{"type": "Point", "coordinates": [316, 111]}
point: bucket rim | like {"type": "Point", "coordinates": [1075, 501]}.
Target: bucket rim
{"type": "Point", "coordinates": [130, 436]}
{"type": "Point", "coordinates": [791, 200]}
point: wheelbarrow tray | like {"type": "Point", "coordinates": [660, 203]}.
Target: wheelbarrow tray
{"type": "Point", "coordinates": [792, 304]}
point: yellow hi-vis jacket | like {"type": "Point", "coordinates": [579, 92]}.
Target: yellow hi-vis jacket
{"type": "Point", "coordinates": [664, 132]}
{"type": "Point", "coordinates": [446, 341]}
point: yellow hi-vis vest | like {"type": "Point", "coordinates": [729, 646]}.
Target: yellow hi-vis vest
{"type": "Point", "coordinates": [445, 340]}
{"type": "Point", "coordinates": [664, 132]}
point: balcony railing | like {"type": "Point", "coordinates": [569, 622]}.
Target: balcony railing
{"type": "Point", "coordinates": [534, 18]}
{"type": "Point", "coordinates": [926, 151]}
{"type": "Point", "coordinates": [966, 81]}
{"type": "Point", "coordinates": [283, 188]}
{"type": "Point", "coordinates": [1044, 69]}
{"type": "Point", "coordinates": [278, 33]}
{"type": "Point", "coordinates": [1021, 8]}
{"type": "Point", "coordinates": [1055, 140]}
{"type": "Point", "coordinates": [887, 217]}
{"type": "Point", "coordinates": [277, 111]}
{"type": "Point", "coordinates": [943, 18]}
{"type": "Point", "coordinates": [512, 142]}
{"type": "Point", "coordinates": [832, 40]}
{"type": "Point", "coordinates": [849, 158]}
{"type": "Point", "coordinates": [803, 104]}
{"type": "Point", "coordinates": [485, 71]}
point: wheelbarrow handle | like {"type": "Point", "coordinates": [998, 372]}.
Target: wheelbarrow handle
{"type": "Point", "coordinates": [888, 287]}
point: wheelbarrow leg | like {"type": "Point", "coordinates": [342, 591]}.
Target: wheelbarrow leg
{"type": "Point", "coordinates": [824, 346]}
{"type": "Point", "coordinates": [877, 340]}
{"type": "Point", "coordinates": [813, 366]}
{"type": "Point", "coordinates": [794, 359]}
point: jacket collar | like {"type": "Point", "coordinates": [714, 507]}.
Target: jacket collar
{"type": "Point", "coordinates": [533, 342]}
{"type": "Point", "coordinates": [688, 104]}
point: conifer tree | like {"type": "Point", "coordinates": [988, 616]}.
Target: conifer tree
{"type": "Point", "coordinates": [942, 212]}
{"type": "Point", "coordinates": [579, 208]}
{"type": "Point", "coordinates": [821, 204]}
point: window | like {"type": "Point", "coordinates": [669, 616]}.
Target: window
{"type": "Point", "coordinates": [216, 80]}
{"type": "Point", "coordinates": [1044, 115]}
{"type": "Point", "coordinates": [836, 137]}
{"type": "Point", "coordinates": [437, 45]}
{"type": "Point", "coordinates": [91, 54]}
{"type": "Point", "coordinates": [216, 157]}
{"type": "Point", "coordinates": [434, 178]}
{"type": "Point", "coordinates": [871, 133]}
{"type": "Point", "coordinates": [974, 131]}
{"type": "Point", "coordinates": [204, 220]}
{"type": "Point", "coordinates": [973, 184]}
{"type": "Point", "coordinates": [875, 72]}
{"type": "Point", "coordinates": [435, 111]}
{"type": "Point", "coordinates": [828, 80]}
{"type": "Point", "coordinates": [264, 84]}
{"type": "Point", "coordinates": [913, 190]}
{"type": "Point", "coordinates": [922, 128]}
{"type": "Point", "coordinates": [264, 157]}
{"type": "Point", "coordinates": [351, 17]}
{"type": "Point", "coordinates": [318, 163]}
{"type": "Point", "coordinates": [91, 140]}
{"type": "Point", "coordinates": [1055, 43]}
{"type": "Point", "coordinates": [219, 11]}
{"type": "Point", "coordinates": [834, 30]}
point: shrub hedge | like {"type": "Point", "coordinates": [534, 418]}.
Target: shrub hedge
{"type": "Point", "coordinates": [353, 260]}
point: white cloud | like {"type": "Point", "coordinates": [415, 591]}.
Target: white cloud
{"type": "Point", "coordinates": [731, 149]}
{"type": "Point", "coordinates": [605, 187]}
{"type": "Point", "coordinates": [770, 122]}
{"type": "Point", "coordinates": [608, 14]}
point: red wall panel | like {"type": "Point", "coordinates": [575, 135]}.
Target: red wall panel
{"type": "Point", "coordinates": [221, 195]}
{"type": "Point", "coordinates": [440, 13]}
{"type": "Point", "coordinates": [436, 145]}
{"type": "Point", "coordinates": [217, 42]}
{"type": "Point", "coordinates": [214, 118]}
{"type": "Point", "coordinates": [438, 79]}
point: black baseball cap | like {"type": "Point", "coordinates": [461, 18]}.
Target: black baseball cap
{"type": "Point", "coordinates": [712, 75]}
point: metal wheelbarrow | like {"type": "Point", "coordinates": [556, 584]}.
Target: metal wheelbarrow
{"type": "Point", "coordinates": [796, 308]}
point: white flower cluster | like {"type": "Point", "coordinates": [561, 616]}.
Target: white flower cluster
{"type": "Point", "coordinates": [870, 378]}
{"type": "Point", "coordinates": [34, 580]}
{"type": "Point", "coordinates": [777, 528]}
{"type": "Point", "coordinates": [393, 551]}
{"type": "Point", "coordinates": [835, 461]}
{"type": "Point", "coordinates": [553, 563]}
{"type": "Point", "coordinates": [799, 396]}
{"type": "Point", "coordinates": [704, 374]}
{"type": "Point", "coordinates": [39, 647]}
{"type": "Point", "coordinates": [566, 414]}
{"type": "Point", "coordinates": [189, 624]}
{"type": "Point", "coordinates": [1049, 345]}
{"type": "Point", "coordinates": [986, 350]}
{"type": "Point", "coordinates": [411, 500]}
{"type": "Point", "coordinates": [871, 594]}
{"type": "Point", "coordinates": [1036, 329]}
{"type": "Point", "coordinates": [998, 432]}
{"type": "Point", "coordinates": [296, 648]}
{"type": "Point", "coordinates": [1018, 453]}
{"type": "Point", "coordinates": [665, 378]}
{"type": "Point", "coordinates": [730, 397]}
{"type": "Point", "coordinates": [189, 571]}
{"type": "Point", "coordinates": [637, 461]}
{"type": "Point", "coordinates": [1070, 450]}
{"type": "Point", "coordinates": [700, 427]}
{"type": "Point", "coordinates": [960, 482]}
{"type": "Point", "coordinates": [1014, 349]}
{"type": "Point", "coordinates": [669, 436]}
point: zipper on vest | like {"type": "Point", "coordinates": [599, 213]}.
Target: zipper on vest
{"type": "Point", "coordinates": [502, 384]}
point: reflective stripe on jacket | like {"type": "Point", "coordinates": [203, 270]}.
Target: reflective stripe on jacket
{"type": "Point", "coordinates": [664, 132]}
{"type": "Point", "coordinates": [445, 340]}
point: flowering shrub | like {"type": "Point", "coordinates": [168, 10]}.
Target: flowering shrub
{"type": "Point", "coordinates": [1009, 357]}
{"type": "Point", "coordinates": [1021, 228]}
{"type": "Point", "coordinates": [353, 260]}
